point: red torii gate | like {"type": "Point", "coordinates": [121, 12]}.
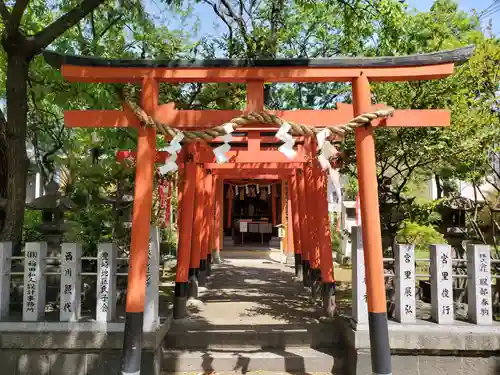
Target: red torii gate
{"type": "Point", "coordinates": [359, 71]}
{"type": "Point", "coordinates": [316, 245]}
{"type": "Point", "coordinates": [321, 271]}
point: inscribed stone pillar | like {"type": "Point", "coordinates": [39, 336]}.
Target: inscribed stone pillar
{"type": "Point", "coordinates": [359, 298]}
{"type": "Point", "coordinates": [34, 281]}
{"type": "Point", "coordinates": [151, 318]}
{"type": "Point", "coordinates": [405, 283]}
{"type": "Point", "coordinates": [441, 284]}
{"type": "Point", "coordinates": [5, 268]}
{"type": "Point", "coordinates": [106, 282]}
{"type": "Point", "coordinates": [71, 282]}
{"type": "Point", "coordinates": [479, 284]}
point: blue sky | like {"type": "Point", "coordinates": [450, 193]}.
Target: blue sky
{"type": "Point", "coordinates": [209, 25]}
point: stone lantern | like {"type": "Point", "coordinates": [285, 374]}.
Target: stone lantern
{"type": "Point", "coordinates": [53, 205]}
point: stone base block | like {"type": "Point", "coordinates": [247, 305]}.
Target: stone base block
{"type": "Point", "coordinates": [359, 363]}
{"type": "Point", "coordinates": [54, 362]}
{"type": "Point", "coordinates": [427, 348]}
{"type": "Point", "coordinates": [77, 352]}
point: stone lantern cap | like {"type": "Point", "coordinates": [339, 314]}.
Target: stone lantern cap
{"type": "Point", "coordinates": [112, 199]}
{"type": "Point", "coordinates": [52, 201]}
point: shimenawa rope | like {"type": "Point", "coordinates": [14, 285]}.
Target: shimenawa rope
{"type": "Point", "coordinates": [252, 118]}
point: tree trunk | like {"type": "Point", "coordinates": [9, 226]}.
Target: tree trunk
{"type": "Point", "coordinates": [16, 157]}
{"type": "Point", "coordinates": [3, 168]}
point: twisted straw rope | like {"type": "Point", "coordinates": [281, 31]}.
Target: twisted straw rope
{"type": "Point", "coordinates": [252, 118]}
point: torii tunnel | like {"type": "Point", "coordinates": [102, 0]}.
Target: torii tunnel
{"type": "Point", "coordinates": [309, 234]}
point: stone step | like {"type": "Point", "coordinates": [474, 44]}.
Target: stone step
{"type": "Point", "coordinates": [257, 337]}
{"type": "Point", "coordinates": [291, 360]}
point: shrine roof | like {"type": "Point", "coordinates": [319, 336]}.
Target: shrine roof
{"type": "Point", "coordinates": [457, 56]}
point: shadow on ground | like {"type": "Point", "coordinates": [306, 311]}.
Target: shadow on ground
{"type": "Point", "coordinates": [252, 298]}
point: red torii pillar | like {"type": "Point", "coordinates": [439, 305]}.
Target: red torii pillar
{"type": "Point", "coordinates": [219, 217]}
{"type": "Point", "coordinates": [324, 239]}
{"type": "Point", "coordinates": [297, 243]}
{"type": "Point", "coordinates": [312, 217]}
{"type": "Point", "coordinates": [196, 234]}
{"type": "Point", "coordinates": [186, 203]}
{"type": "Point", "coordinates": [206, 229]}
{"type": "Point", "coordinates": [211, 238]}
{"type": "Point", "coordinates": [304, 228]}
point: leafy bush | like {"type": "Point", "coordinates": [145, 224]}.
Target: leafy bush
{"type": "Point", "coordinates": [168, 240]}
{"type": "Point", "coordinates": [335, 236]}
{"type": "Point", "coordinates": [420, 235]}
{"type": "Point", "coordinates": [32, 220]}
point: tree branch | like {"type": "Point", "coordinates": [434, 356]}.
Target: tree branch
{"type": "Point", "coordinates": [15, 16]}
{"type": "Point", "coordinates": [4, 12]}
{"type": "Point", "coordinates": [240, 22]}
{"type": "Point", "coordinates": [230, 47]}
{"type": "Point", "coordinates": [108, 27]}
{"type": "Point", "coordinates": [65, 22]}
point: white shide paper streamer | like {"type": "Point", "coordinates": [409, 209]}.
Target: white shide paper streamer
{"type": "Point", "coordinates": [288, 142]}
{"type": "Point", "coordinates": [220, 152]}
{"type": "Point", "coordinates": [173, 149]}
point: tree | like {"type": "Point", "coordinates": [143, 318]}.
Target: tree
{"type": "Point", "coordinates": [408, 157]}
{"type": "Point", "coordinates": [23, 37]}
{"type": "Point", "coordinates": [477, 134]}
{"type": "Point", "coordinates": [86, 157]}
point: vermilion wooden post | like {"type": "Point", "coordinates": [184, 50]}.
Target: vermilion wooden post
{"type": "Point", "coordinates": [312, 216]}
{"type": "Point", "coordinates": [304, 228]}
{"type": "Point", "coordinates": [284, 240]}
{"type": "Point", "coordinates": [273, 204]}
{"type": "Point", "coordinates": [205, 229]}
{"type": "Point", "coordinates": [219, 218]}
{"type": "Point", "coordinates": [327, 275]}
{"type": "Point", "coordinates": [186, 215]}
{"type": "Point", "coordinates": [143, 201]}
{"type": "Point", "coordinates": [372, 237]}
{"type": "Point", "coordinates": [211, 227]}
{"type": "Point", "coordinates": [296, 224]}
{"type": "Point", "coordinates": [197, 235]}
{"type": "Point", "coordinates": [289, 222]}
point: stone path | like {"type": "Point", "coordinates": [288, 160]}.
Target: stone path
{"type": "Point", "coordinates": [252, 316]}
{"type": "Point", "coordinates": [253, 288]}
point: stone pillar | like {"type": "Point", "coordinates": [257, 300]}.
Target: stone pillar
{"type": "Point", "coordinates": [5, 268]}
{"type": "Point", "coordinates": [34, 281]}
{"type": "Point", "coordinates": [106, 282]}
{"type": "Point", "coordinates": [405, 283]}
{"type": "Point", "coordinates": [479, 284]}
{"type": "Point", "coordinates": [151, 318]}
{"type": "Point", "coordinates": [359, 300]}
{"type": "Point", "coordinates": [71, 282]}
{"type": "Point", "coordinates": [441, 284]}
